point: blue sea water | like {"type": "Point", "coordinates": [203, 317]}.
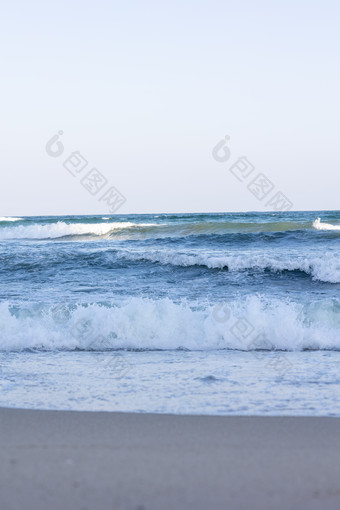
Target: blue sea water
{"type": "Point", "coordinates": [233, 313]}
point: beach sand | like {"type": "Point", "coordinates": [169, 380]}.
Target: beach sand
{"type": "Point", "coordinates": [77, 460]}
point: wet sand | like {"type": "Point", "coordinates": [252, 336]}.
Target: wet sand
{"type": "Point", "coordinates": [78, 461]}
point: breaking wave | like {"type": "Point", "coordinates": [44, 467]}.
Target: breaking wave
{"type": "Point", "coordinates": [324, 269]}
{"type": "Point", "coordinates": [7, 218]}
{"type": "Point", "coordinates": [144, 324]}
{"type": "Point", "coordinates": [318, 225]}
{"type": "Point", "coordinates": [62, 229]}
{"type": "Point", "coordinates": [58, 229]}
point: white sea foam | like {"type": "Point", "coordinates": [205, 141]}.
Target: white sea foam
{"type": "Point", "coordinates": [250, 324]}
{"type": "Point", "coordinates": [318, 225]}
{"type": "Point", "coordinates": [325, 268]}
{"type": "Point", "coordinates": [7, 218]}
{"type": "Point", "coordinates": [62, 229]}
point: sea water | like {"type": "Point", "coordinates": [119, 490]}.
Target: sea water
{"type": "Point", "coordinates": [233, 313]}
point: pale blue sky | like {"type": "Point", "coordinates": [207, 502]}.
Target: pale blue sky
{"type": "Point", "coordinates": [144, 90]}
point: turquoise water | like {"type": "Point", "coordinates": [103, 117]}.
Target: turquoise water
{"type": "Point", "coordinates": [205, 313]}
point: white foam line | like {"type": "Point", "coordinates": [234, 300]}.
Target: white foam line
{"type": "Point", "coordinates": [62, 229]}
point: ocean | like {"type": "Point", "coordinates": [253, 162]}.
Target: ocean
{"type": "Point", "coordinates": [225, 313]}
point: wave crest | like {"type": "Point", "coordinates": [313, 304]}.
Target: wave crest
{"type": "Point", "coordinates": [9, 218]}
{"type": "Point", "coordinates": [162, 324]}
{"type": "Point", "coordinates": [325, 269]}
{"type": "Point", "coordinates": [318, 225]}
{"type": "Point", "coordinates": [62, 229]}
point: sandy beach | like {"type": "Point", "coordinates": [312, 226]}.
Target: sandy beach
{"type": "Point", "coordinates": [78, 460]}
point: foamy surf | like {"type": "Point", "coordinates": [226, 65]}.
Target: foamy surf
{"type": "Point", "coordinates": [176, 305]}
{"type": "Point", "coordinates": [8, 218]}
{"type": "Point", "coordinates": [325, 268]}
{"type": "Point", "coordinates": [318, 225]}
{"type": "Point", "coordinates": [164, 325]}
{"type": "Point", "coordinates": [61, 229]}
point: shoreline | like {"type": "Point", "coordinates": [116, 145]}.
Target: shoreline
{"type": "Point", "coordinates": [85, 460]}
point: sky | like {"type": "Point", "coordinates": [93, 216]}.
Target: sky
{"type": "Point", "coordinates": [144, 91]}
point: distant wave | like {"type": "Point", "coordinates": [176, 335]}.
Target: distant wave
{"type": "Point", "coordinates": [130, 230]}
{"type": "Point", "coordinates": [325, 268]}
{"type": "Point", "coordinates": [40, 230]}
{"type": "Point", "coordinates": [8, 218]}
{"type": "Point", "coordinates": [53, 230]}
{"type": "Point", "coordinates": [62, 229]}
{"type": "Point", "coordinates": [324, 226]}
{"type": "Point", "coordinates": [162, 324]}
